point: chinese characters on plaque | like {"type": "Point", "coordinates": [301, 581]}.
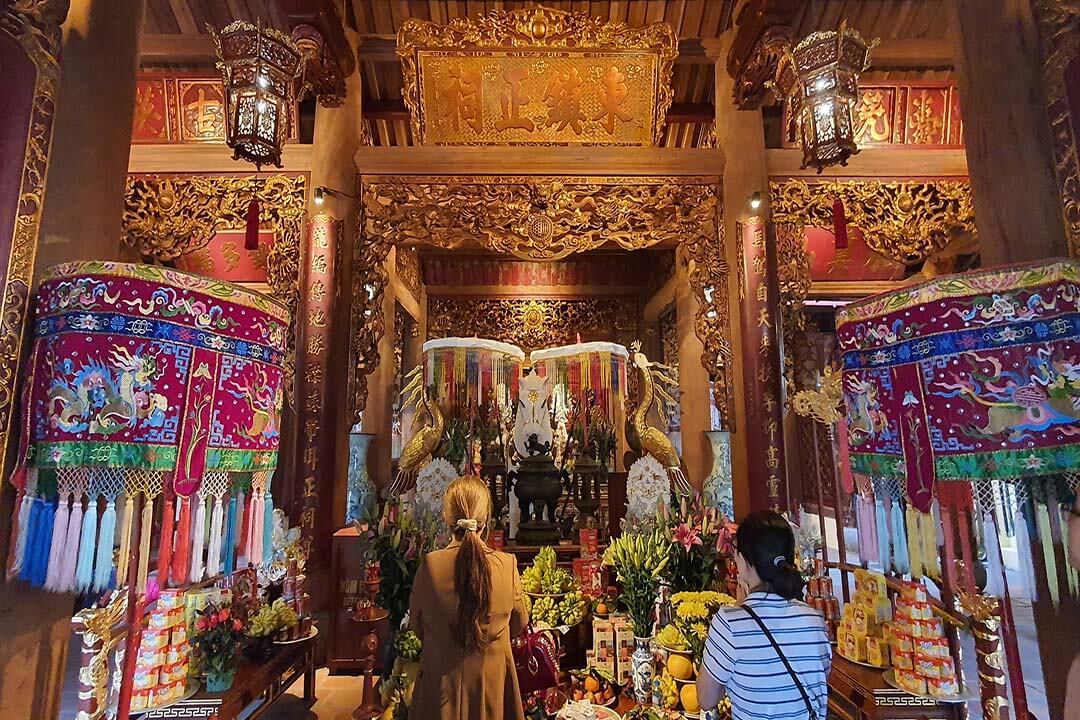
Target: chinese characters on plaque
{"type": "Point", "coordinates": [529, 97]}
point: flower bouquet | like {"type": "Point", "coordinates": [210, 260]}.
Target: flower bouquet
{"type": "Point", "coordinates": [696, 533]}
{"type": "Point", "coordinates": [639, 559]}
{"type": "Point", "coordinates": [217, 644]}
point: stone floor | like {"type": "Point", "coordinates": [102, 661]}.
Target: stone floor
{"type": "Point", "coordinates": [337, 696]}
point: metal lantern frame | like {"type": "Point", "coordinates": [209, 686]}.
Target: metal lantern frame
{"type": "Point", "coordinates": [819, 77]}
{"type": "Point", "coordinates": [259, 70]}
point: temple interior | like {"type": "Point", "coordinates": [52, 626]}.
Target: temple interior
{"type": "Point", "coordinates": [276, 274]}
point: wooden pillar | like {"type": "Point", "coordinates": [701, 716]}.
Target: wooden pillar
{"type": "Point", "coordinates": [695, 405]}
{"type": "Point", "coordinates": [378, 418]}
{"type": "Point", "coordinates": [741, 135]}
{"type": "Point", "coordinates": [95, 106]}
{"type": "Point", "coordinates": [1018, 209]}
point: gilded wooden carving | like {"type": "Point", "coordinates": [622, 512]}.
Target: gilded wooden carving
{"type": "Point", "coordinates": [1059, 27]}
{"type": "Point", "coordinates": [536, 77]}
{"type": "Point", "coordinates": [166, 216]}
{"type": "Point", "coordinates": [533, 323]}
{"type": "Point", "coordinates": [35, 26]}
{"type": "Point", "coordinates": [906, 221]}
{"type": "Point", "coordinates": [407, 266]}
{"type": "Point", "coordinates": [543, 218]}
{"type": "Point", "coordinates": [539, 218]}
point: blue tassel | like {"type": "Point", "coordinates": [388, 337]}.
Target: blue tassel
{"type": "Point", "coordinates": [268, 527]}
{"type": "Point", "coordinates": [44, 545]}
{"type": "Point", "coordinates": [883, 533]}
{"type": "Point", "coordinates": [228, 547]}
{"type": "Point", "coordinates": [84, 570]}
{"type": "Point", "coordinates": [103, 563]}
{"type": "Point", "coordinates": [899, 532]}
{"type": "Point", "coordinates": [33, 531]}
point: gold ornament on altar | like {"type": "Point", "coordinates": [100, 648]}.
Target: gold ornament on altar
{"type": "Point", "coordinates": [536, 76]}
{"type": "Point", "coordinates": [259, 69]}
{"type": "Point", "coordinates": [819, 78]}
{"type": "Point", "coordinates": [823, 403]}
{"type": "Point", "coordinates": [425, 440]}
{"type": "Point", "coordinates": [654, 376]}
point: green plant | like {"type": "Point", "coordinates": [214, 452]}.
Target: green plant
{"type": "Point", "coordinates": [398, 541]}
{"type": "Point", "coordinates": [639, 559]}
{"type": "Point", "coordinates": [217, 640]}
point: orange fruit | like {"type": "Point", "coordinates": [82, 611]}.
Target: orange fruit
{"type": "Point", "coordinates": [601, 608]}
{"type": "Point", "coordinates": [688, 696]}
{"type": "Point", "coordinates": [680, 667]}
{"type": "Point", "coordinates": [592, 684]}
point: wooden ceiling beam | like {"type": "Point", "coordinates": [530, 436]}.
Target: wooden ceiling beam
{"type": "Point", "coordinates": [913, 53]}
{"type": "Point", "coordinates": [177, 48]}
{"type": "Point", "coordinates": [394, 109]}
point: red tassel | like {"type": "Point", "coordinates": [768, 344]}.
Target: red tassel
{"type": "Point", "coordinates": [251, 231]}
{"type": "Point", "coordinates": [183, 543]}
{"type": "Point", "coordinates": [839, 224]}
{"type": "Point", "coordinates": [165, 549]}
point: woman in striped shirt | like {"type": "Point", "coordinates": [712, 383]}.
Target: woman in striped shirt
{"type": "Point", "coordinates": [771, 654]}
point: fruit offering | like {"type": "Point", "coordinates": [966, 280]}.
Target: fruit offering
{"type": "Point", "coordinates": [263, 623]}
{"type": "Point", "coordinates": [593, 685]}
{"type": "Point", "coordinates": [544, 578]}
{"type": "Point", "coordinates": [671, 638]}
{"type": "Point", "coordinates": [407, 645]}
{"type": "Point", "coordinates": [669, 690]}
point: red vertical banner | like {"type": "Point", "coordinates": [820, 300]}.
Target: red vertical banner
{"type": "Point", "coordinates": [314, 504]}
{"type": "Point", "coordinates": [759, 295]}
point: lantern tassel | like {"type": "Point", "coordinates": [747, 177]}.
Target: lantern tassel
{"type": "Point", "coordinates": [213, 557]}
{"type": "Point", "coordinates": [251, 229]}
{"type": "Point", "coordinates": [56, 544]}
{"type": "Point", "coordinates": [42, 544]}
{"type": "Point", "coordinates": [1024, 552]}
{"type": "Point", "coordinates": [103, 563]}
{"type": "Point", "coordinates": [255, 542]}
{"type": "Point", "coordinates": [19, 517]}
{"type": "Point", "coordinates": [84, 568]}
{"type": "Point", "coordinates": [839, 224]}
{"type": "Point", "coordinates": [245, 527]}
{"type": "Point", "coordinates": [268, 526]}
{"type": "Point", "coordinates": [182, 546]}
{"type": "Point", "coordinates": [994, 572]}
{"type": "Point", "coordinates": [198, 540]}
{"type": "Point", "coordinates": [144, 543]}
{"type": "Point", "coordinates": [230, 537]}
{"type": "Point", "coordinates": [168, 517]}
{"type": "Point", "coordinates": [33, 532]}
{"type": "Point", "coordinates": [71, 546]}
{"type": "Point", "coordinates": [901, 559]}
{"type": "Point", "coordinates": [125, 539]}
{"type": "Point", "coordinates": [882, 533]}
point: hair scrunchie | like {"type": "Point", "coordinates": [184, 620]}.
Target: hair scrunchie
{"type": "Point", "coordinates": [468, 525]}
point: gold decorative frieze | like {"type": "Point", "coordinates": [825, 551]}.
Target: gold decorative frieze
{"type": "Point", "coordinates": [542, 218]}
{"type": "Point", "coordinates": [407, 266]}
{"type": "Point", "coordinates": [539, 218]}
{"type": "Point", "coordinates": [533, 323]}
{"type": "Point", "coordinates": [35, 26]}
{"type": "Point", "coordinates": [536, 77]}
{"type": "Point", "coordinates": [1059, 28]}
{"type": "Point", "coordinates": [907, 221]}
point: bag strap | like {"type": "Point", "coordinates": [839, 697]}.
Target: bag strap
{"type": "Point", "coordinates": [791, 671]}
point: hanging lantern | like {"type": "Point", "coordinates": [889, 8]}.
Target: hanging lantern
{"type": "Point", "coordinates": [820, 80]}
{"type": "Point", "coordinates": [259, 69]}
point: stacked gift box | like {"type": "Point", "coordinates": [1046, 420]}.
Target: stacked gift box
{"type": "Point", "coordinates": [161, 666]}
{"type": "Point", "coordinates": [861, 635]}
{"type": "Point", "coordinates": [613, 644]}
{"type": "Point", "coordinates": [920, 651]}
{"type": "Point", "coordinates": [819, 595]}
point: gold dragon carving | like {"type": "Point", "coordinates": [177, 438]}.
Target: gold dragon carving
{"type": "Point", "coordinates": [35, 26]}
{"type": "Point", "coordinates": [539, 28]}
{"type": "Point", "coordinates": [541, 219]}
{"type": "Point", "coordinates": [532, 323]}
{"type": "Point", "coordinates": [1059, 28]}
{"type": "Point", "coordinates": [906, 221]}
{"type": "Point", "coordinates": [98, 627]}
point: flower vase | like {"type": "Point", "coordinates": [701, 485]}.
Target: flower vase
{"type": "Point", "coordinates": [717, 488]}
{"type": "Point", "coordinates": [361, 491]}
{"type": "Point", "coordinates": [218, 682]}
{"type": "Point", "coordinates": [642, 669]}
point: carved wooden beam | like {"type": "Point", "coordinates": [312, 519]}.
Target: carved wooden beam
{"type": "Point", "coordinates": [763, 30]}
{"type": "Point", "coordinates": [318, 30]}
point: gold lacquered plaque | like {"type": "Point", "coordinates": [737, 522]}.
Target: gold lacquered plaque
{"type": "Point", "coordinates": [536, 77]}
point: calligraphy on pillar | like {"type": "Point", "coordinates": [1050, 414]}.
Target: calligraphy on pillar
{"type": "Point", "coordinates": [536, 77]}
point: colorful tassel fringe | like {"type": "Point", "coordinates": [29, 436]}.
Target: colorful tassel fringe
{"type": "Point", "coordinates": [103, 563]}
{"type": "Point", "coordinates": [84, 569]}
{"type": "Point", "coordinates": [182, 546]}
{"type": "Point", "coordinates": [125, 540]}
{"type": "Point", "coordinates": [198, 540]}
{"type": "Point", "coordinates": [229, 558]}
{"type": "Point", "coordinates": [901, 558]}
{"type": "Point", "coordinates": [58, 533]}
{"type": "Point", "coordinates": [213, 555]}
{"type": "Point", "coordinates": [165, 548]}
{"type": "Point", "coordinates": [268, 526]}
{"type": "Point", "coordinates": [71, 547]}
{"type": "Point", "coordinates": [144, 543]}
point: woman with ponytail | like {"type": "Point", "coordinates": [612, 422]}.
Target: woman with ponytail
{"type": "Point", "coordinates": [771, 654]}
{"type": "Point", "coordinates": [466, 604]}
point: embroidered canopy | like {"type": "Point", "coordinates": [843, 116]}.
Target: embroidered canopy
{"type": "Point", "coordinates": [964, 377]}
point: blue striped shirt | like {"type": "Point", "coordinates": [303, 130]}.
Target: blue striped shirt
{"type": "Point", "coordinates": [741, 658]}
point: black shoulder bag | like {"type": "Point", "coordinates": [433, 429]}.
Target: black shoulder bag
{"type": "Point", "coordinates": [779, 652]}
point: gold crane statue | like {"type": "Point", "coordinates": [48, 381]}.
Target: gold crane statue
{"type": "Point", "coordinates": [653, 378]}
{"type": "Point", "coordinates": [425, 441]}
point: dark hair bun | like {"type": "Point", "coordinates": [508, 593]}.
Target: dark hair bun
{"type": "Point", "coordinates": [767, 542]}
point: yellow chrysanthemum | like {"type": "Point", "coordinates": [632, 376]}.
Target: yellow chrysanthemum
{"type": "Point", "coordinates": [692, 609]}
{"type": "Point", "coordinates": [700, 629]}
